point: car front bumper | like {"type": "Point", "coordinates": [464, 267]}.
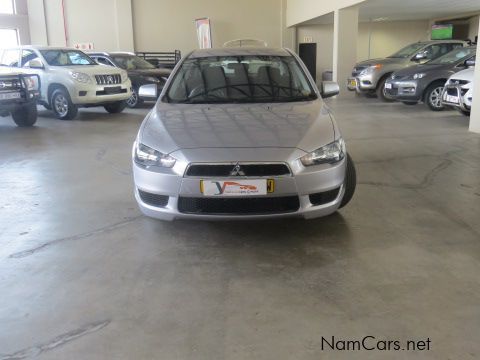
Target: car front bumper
{"type": "Point", "coordinates": [402, 90]}
{"type": "Point", "coordinates": [98, 94]}
{"type": "Point", "coordinates": [362, 83]}
{"type": "Point", "coordinates": [454, 95]}
{"type": "Point", "coordinates": [325, 179]}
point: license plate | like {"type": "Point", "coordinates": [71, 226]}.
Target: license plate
{"type": "Point", "coordinates": [388, 86]}
{"type": "Point", "coordinates": [452, 99]}
{"type": "Point", "coordinates": [9, 96]}
{"type": "Point", "coordinates": [237, 187]}
{"type": "Point", "coordinates": [352, 82]}
{"type": "Point", "coordinates": [112, 89]}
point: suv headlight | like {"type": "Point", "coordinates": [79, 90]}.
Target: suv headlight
{"type": "Point", "coordinates": [80, 77]}
{"type": "Point", "coordinates": [146, 156]}
{"type": "Point", "coordinates": [124, 76]}
{"type": "Point", "coordinates": [418, 76]}
{"type": "Point", "coordinates": [371, 69]}
{"type": "Point", "coordinates": [328, 154]}
{"type": "Point", "coordinates": [31, 82]}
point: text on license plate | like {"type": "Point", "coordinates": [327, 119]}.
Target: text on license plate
{"type": "Point", "coordinates": [352, 82]}
{"type": "Point", "coordinates": [10, 95]}
{"type": "Point", "coordinates": [237, 187]}
{"type": "Point", "coordinates": [452, 99]}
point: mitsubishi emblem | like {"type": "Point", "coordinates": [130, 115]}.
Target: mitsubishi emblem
{"type": "Point", "coordinates": [237, 171]}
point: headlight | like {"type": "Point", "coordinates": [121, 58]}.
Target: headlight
{"type": "Point", "coordinates": [80, 77]}
{"type": "Point", "coordinates": [152, 79]}
{"type": "Point", "coordinates": [418, 76]}
{"type": "Point", "coordinates": [31, 82]}
{"type": "Point", "coordinates": [124, 76]}
{"type": "Point", "coordinates": [371, 69]}
{"type": "Point", "coordinates": [146, 156]}
{"type": "Point", "coordinates": [328, 154]}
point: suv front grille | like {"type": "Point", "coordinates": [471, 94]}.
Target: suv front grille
{"type": "Point", "coordinates": [108, 79]}
{"type": "Point", "coordinates": [225, 170]}
{"type": "Point", "coordinates": [10, 84]}
{"type": "Point", "coordinates": [238, 206]}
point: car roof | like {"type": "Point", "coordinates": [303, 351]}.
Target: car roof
{"type": "Point", "coordinates": [109, 53]}
{"type": "Point", "coordinates": [238, 51]}
{"type": "Point", "coordinates": [443, 41]}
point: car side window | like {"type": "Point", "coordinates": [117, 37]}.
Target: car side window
{"type": "Point", "coordinates": [10, 58]}
{"type": "Point", "coordinates": [103, 61]}
{"type": "Point", "coordinates": [27, 56]}
{"type": "Point", "coordinates": [436, 50]}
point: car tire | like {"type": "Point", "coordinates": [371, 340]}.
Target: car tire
{"type": "Point", "coordinates": [134, 101]}
{"type": "Point", "coordinates": [350, 182]}
{"type": "Point", "coordinates": [381, 90]}
{"type": "Point", "coordinates": [410, 103]}
{"type": "Point", "coordinates": [26, 115]}
{"type": "Point", "coordinates": [116, 107]}
{"type": "Point", "coordinates": [62, 105]}
{"type": "Point", "coordinates": [433, 96]}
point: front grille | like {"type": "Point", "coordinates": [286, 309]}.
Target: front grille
{"type": "Point", "coordinates": [357, 70]}
{"type": "Point", "coordinates": [225, 170]}
{"type": "Point", "coordinates": [238, 206]}
{"type": "Point", "coordinates": [10, 84]}
{"type": "Point", "coordinates": [153, 199]}
{"type": "Point", "coordinates": [324, 197]}
{"type": "Point", "coordinates": [108, 79]}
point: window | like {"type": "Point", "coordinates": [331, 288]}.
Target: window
{"type": "Point", "coordinates": [234, 79]}
{"type": "Point", "coordinates": [131, 62]}
{"type": "Point", "coordinates": [459, 54]}
{"type": "Point", "coordinates": [66, 58]}
{"type": "Point", "coordinates": [10, 58]}
{"type": "Point", "coordinates": [27, 56]}
{"type": "Point", "coordinates": [102, 61]}
{"type": "Point", "coordinates": [8, 38]}
{"type": "Point", "coordinates": [6, 7]}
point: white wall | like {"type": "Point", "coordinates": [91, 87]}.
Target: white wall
{"type": "Point", "coordinates": [17, 21]}
{"type": "Point", "coordinates": [299, 11]}
{"type": "Point", "coordinates": [169, 24]}
{"type": "Point", "coordinates": [473, 27]}
{"type": "Point", "coordinates": [386, 38]}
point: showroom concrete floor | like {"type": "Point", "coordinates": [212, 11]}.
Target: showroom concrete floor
{"type": "Point", "coordinates": [84, 276]}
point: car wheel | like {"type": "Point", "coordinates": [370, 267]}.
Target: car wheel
{"type": "Point", "coordinates": [381, 94]}
{"type": "Point", "coordinates": [62, 106]}
{"type": "Point", "coordinates": [133, 101]}
{"type": "Point", "coordinates": [116, 107]}
{"type": "Point", "coordinates": [410, 103]}
{"type": "Point", "coordinates": [26, 115]}
{"type": "Point", "coordinates": [350, 182]}
{"type": "Point", "coordinates": [433, 96]}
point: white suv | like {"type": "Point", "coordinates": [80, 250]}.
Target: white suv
{"type": "Point", "coordinates": [70, 79]}
{"type": "Point", "coordinates": [458, 91]}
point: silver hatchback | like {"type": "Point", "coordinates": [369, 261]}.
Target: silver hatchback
{"type": "Point", "coordinates": [241, 133]}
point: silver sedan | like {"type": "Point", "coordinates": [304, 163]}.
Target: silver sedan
{"type": "Point", "coordinates": [241, 133]}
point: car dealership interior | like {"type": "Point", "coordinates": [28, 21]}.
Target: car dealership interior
{"type": "Point", "coordinates": [274, 179]}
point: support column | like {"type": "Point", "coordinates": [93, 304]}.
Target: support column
{"type": "Point", "coordinates": [345, 36]}
{"type": "Point", "coordinates": [475, 113]}
{"type": "Point", "coordinates": [124, 25]}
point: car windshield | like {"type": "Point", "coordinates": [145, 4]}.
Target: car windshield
{"type": "Point", "coordinates": [66, 57]}
{"type": "Point", "coordinates": [454, 56]}
{"type": "Point", "coordinates": [235, 79]}
{"type": "Point", "coordinates": [408, 51]}
{"type": "Point", "coordinates": [131, 62]}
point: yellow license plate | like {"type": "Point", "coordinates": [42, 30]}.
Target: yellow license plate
{"type": "Point", "coordinates": [352, 82]}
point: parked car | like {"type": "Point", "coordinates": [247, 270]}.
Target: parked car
{"type": "Point", "coordinates": [369, 76]}
{"type": "Point", "coordinates": [425, 82]}
{"type": "Point", "coordinates": [18, 96]}
{"type": "Point", "coordinates": [241, 133]}
{"type": "Point", "coordinates": [140, 72]}
{"type": "Point", "coordinates": [458, 91]}
{"type": "Point", "coordinates": [71, 79]}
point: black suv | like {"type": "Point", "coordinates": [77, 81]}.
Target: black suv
{"type": "Point", "coordinates": [140, 72]}
{"type": "Point", "coordinates": [18, 96]}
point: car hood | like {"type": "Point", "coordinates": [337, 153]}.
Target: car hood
{"type": "Point", "coordinates": [466, 74]}
{"type": "Point", "coordinates": [411, 70]}
{"type": "Point", "coordinates": [383, 61]}
{"type": "Point", "coordinates": [90, 69]}
{"type": "Point", "coordinates": [305, 126]}
{"type": "Point", "coordinates": [151, 72]}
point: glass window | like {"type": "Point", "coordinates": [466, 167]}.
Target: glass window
{"type": "Point", "coordinates": [231, 79]}
{"type": "Point", "coordinates": [408, 51]}
{"type": "Point", "coordinates": [131, 62]}
{"type": "Point", "coordinates": [27, 56]}
{"type": "Point", "coordinates": [8, 38]}
{"type": "Point", "coordinates": [10, 58]}
{"type": "Point", "coordinates": [59, 57]}
{"type": "Point", "coordinates": [453, 56]}
{"type": "Point", "coordinates": [6, 7]}
{"type": "Point", "coordinates": [103, 61]}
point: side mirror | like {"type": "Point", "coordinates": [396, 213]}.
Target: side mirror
{"type": "Point", "coordinates": [420, 56]}
{"type": "Point", "coordinates": [148, 91]}
{"type": "Point", "coordinates": [35, 64]}
{"type": "Point", "coordinates": [329, 89]}
{"type": "Point", "coordinates": [470, 62]}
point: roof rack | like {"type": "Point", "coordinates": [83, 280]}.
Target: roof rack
{"type": "Point", "coordinates": [245, 43]}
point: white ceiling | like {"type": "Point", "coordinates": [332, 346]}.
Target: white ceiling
{"type": "Point", "coordinates": [391, 10]}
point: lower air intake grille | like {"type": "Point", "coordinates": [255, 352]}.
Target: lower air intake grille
{"type": "Point", "coordinates": [324, 197]}
{"type": "Point", "coordinates": [238, 206]}
{"type": "Point", "coordinates": [153, 199]}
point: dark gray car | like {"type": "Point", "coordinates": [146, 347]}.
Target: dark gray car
{"type": "Point", "coordinates": [425, 82]}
